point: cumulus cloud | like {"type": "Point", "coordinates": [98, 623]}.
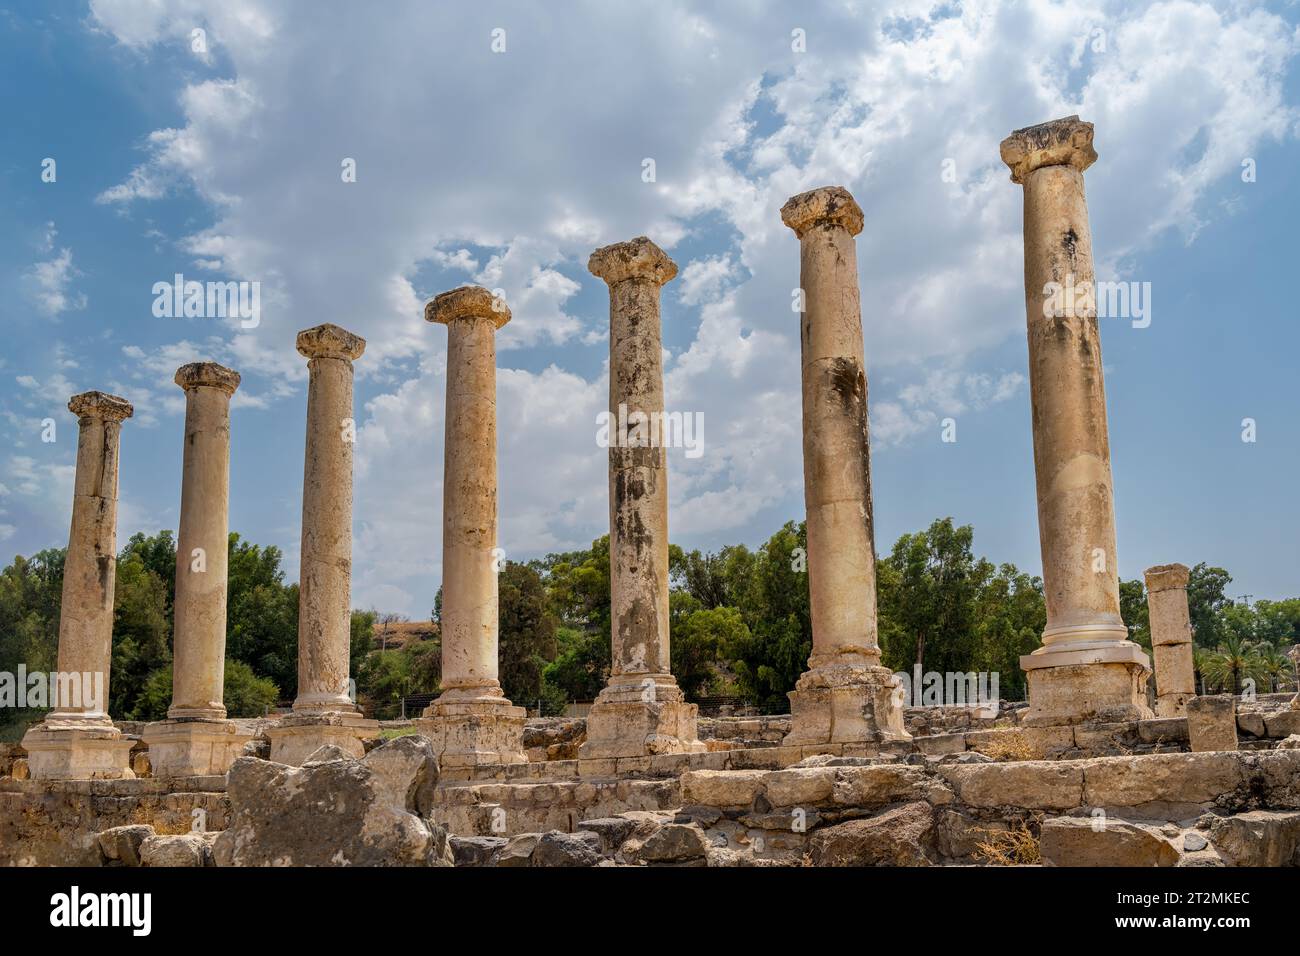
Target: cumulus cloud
{"type": "Point", "coordinates": [507, 169]}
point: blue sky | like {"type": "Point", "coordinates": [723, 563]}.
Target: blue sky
{"type": "Point", "coordinates": [508, 168]}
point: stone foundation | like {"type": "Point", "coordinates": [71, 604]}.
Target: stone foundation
{"type": "Point", "coordinates": [78, 753]}
{"type": "Point", "coordinates": [193, 748]}
{"type": "Point", "coordinates": [297, 736]}
{"type": "Point", "coordinates": [845, 704]}
{"type": "Point", "coordinates": [1073, 693]}
{"type": "Point", "coordinates": [623, 724]}
{"type": "Point", "coordinates": [466, 734]}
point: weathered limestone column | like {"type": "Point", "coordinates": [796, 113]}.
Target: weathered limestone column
{"type": "Point", "coordinates": [1171, 639]}
{"type": "Point", "coordinates": [641, 711]}
{"type": "Point", "coordinates": [846, 696]}
{"type": "Point", "coordinates": [323, 712]}
{"type": "Point", "coordinates": [196, 739]}
{"type": "Point", "coordinates": [77, 739]}
{"type": "Point", "coordinates": [472, 722]}
{"type": "Point", "coordinates": [1086, 669]}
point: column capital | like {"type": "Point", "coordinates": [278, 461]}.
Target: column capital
{"type": "Point", "coordinates": [827, 204]}
{"type": "Point", "coordinates": [1166, 577]}
{"type": "Point", "coordinates": [467, 302]}
{"type": "Point", "coordinates": [100, 405]}
{"type": "Point", "coordinates": [207, 375]}
{"type": "Point", "coordinates": [637, 258]}
{"type": "Point", "coordinates": [1060, 142]}
{"type": "Point", "coordinates": [330, 341]}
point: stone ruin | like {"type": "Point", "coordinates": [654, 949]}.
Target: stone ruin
{"type": "Point", "coordinates": [1087, 774]}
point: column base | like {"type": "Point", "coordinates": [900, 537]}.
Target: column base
{"type": "Point", "coordinates": [473, 732]}
{"type": "Point", "coordinates": [641, 715]}
{"type": "Point", "coordinates": [193, 748]}
{"type": "Point", "coordinates": [298, 736]}
{"type": "Point", "coordinates": [78, 750]}
{"type": "Point", "coordinates": [1081, 681]}
{"type": "Point", "coordinates": [845, 703]}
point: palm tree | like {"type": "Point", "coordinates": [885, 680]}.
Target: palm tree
{"type": "Point", "coordinates": [1230, 662]}
{"type": "Point", "coordinates": [1274, 666]}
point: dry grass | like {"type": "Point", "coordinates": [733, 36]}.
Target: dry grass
{"type": "Point", "coordinates": [1011, 746]}
{"type": "Point", "coordinates": [1015, 847]}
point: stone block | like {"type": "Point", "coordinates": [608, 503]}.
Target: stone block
{"type": "Point", "coordinates": [1035, 785]}
{"type": "Point", "coordinates": [1082, 841]}
{"type": "Point", "coordinates": [1170, 778]}
{"type": "Point", "coordinates": [901, 836]}
{"type": "Point", "coordinates": [1212, 723]}
{"type": "Point", "coordinates": [722, 788]}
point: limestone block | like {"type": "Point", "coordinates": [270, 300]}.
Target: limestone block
{"type": "Point", "coordinates": [121, 845]}
{"type": "Point", "coordinates": [92, 753]}
{"type": "Point", "coordinates": [722, 788]}
{"type": "Point", "coordinates": [1081, 841]}
{"type": "Point", "coordinates": [474, 850]}
{"type": "Point", "coordinates": [902, 836]}
{"type": "Point", "coordinates": [1212, 723]}
{"type": "Point", "coordinates": [567, 849]}
{"type": "Point", "coordinates": [475, 733]}
{"type": "Point", "coordinates": [1258, 838]}
{"type": "Point", "coordinates": [802, 787]}
{"type": "Point", "coordinates": [188, 849]}
{"type": "Point", "coordinates": [1038, 785]}
{"type": "Point", "coordinates": [297, 736]}
{"type": "Point", "coordinates": [1172, 778]}
{"type": "Point", "coordinates": [673, 844]}
{"type": "Point", "coordinates": [193, 748]}
{"type": "Point", "coordinates": [886, 783]}
{"type": "Point", "coordinates": [343, 812]}
{"type": "Point", "coordinates": [1283, 724]}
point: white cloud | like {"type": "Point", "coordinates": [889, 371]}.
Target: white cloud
{"type": "Point", "coordinates": [49, 282]}
{"type": "Point", "coordinates": [511, 168]}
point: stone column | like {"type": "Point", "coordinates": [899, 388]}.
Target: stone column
{"type": "Point", "coordinates": [472, 722]}
{"type": "Point", "coordinates": [323, 712]}
{"type": "Point", "coordinates": [1086, 669]}
{"type": "Point", "coordinates": [846, 696]}
{"type": "Point", "coordinates": [196, 739]}
{"type": "Point", "coordinates": [641, 711]}
{"type": "Point", "coordinates": [77, 739]}
{"type": "Point", "coordinates": [1171, 639]}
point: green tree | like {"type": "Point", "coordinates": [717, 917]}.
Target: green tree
{"type": "Point", "coordinates": [1135, 612]}
{"type": "Point", "coordinates": [1206, 599]}
{"type": "Point", "coordinates": [526, 632]}
{"type": "Point", "coordinates": [141, 636]}
{"type": "Point", "coordinates": [927, 599]}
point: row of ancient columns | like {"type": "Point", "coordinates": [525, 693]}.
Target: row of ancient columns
{"type": "Point", "coordinates": [1086, 668]}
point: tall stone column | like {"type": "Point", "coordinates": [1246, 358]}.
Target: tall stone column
{"type": "Point", "coordinates": [323, 712]}
{"type": "Point", "coordinates": [472, 722]}
{"type": "Point", "coordinates": [1171, 639]}
{"type": "Point", "coordinates": [196, 739]}
{"type": "Point", "coordinates": [1086, 669]}
{"type": "Point", "coordinates": [77, 739]}
{"type": "Point", "coordinates": [846, 696]}
{"type": "Point", "coordinates": [641, 711]}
